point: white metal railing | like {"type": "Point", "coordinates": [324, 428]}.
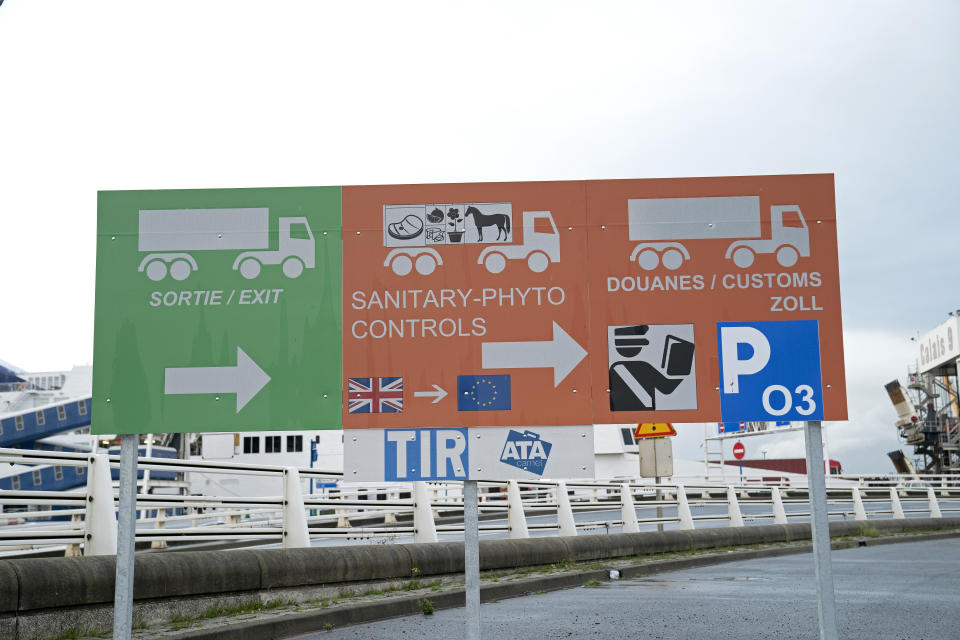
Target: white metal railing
{"type": "Point", "coordinates": [84, 521]}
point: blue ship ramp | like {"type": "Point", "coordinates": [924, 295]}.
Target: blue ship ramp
{"type": "Point", "coordinates": [29, 425]}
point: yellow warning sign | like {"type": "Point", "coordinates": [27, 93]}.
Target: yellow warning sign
{"type": "Point", "coordinates": [654, 430]}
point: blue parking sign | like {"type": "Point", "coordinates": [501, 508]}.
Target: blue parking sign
{"type": "Point", "coordinates": [770, 371]}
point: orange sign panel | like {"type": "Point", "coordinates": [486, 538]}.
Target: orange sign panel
{"type": "Point", "coordinates": [561, 303]}
{"type": "Point", "coordinates": [475, 296]}
{"type": "Point", "coordinates": [676, 258]}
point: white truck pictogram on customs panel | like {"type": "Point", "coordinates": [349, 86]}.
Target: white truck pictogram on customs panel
{"type": "Point", "coordinates": [169, 234]}
{"type": "Point", "coordinates": [658, 224]}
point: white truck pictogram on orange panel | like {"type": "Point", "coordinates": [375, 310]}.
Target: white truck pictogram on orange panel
{"type": "Point", "coordinates": [540, 247]}
{"type": "Point", "coordinates": [659, 223]}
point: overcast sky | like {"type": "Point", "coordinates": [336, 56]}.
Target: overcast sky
{"type": "Point", "coordinates": [134, 95]}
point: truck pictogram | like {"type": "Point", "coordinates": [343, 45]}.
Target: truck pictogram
{"type": "Point", "coordinates": [540, 247]}
{"type": "Point", "coordinates": [659, 223]}
{"type": "Point", "coordinates": [171, 235]}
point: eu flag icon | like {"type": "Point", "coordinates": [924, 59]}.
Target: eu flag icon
{"type": "Point", "coordinates": [483, 393]}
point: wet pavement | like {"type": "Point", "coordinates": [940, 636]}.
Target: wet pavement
{"type": "Point", "coordinates": [900, 591]}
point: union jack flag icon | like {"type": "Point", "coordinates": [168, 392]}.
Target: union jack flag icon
{"type": "Point", "coordinates": [375, 395]}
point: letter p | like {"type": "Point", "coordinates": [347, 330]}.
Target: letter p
{"type": "Point", "coordinates": [732, 366]}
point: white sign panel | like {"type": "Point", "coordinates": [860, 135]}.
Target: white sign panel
{"type": "Point", "coordinates": [468, 453]}
{"type": "Point", "coordinates": [939, 346]}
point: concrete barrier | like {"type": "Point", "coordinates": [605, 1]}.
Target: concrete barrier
{"type": "Point", "coordinates": [503, 554]}
{"type": "Point", "coordinates": [46, 583]}
{"type": "Point", "coordinates": [173, 575]}
{"type": "Point", "coordinates": [9, 589]}
{"type": "Point", "coordinates": [30, 586]}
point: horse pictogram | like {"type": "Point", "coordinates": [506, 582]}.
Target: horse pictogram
{"type": "Point", "coordinates": [501, 220]}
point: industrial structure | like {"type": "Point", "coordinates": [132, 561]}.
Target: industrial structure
{"type": "Point", "coordinates": [928, 407]}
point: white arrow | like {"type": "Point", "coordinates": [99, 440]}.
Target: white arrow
{"type": "Point", "coordinates": [437, 395]}
{"type": "Point", "coordinates": [246, 379]}
{"type": "Point", "coordinates": [562, 354]}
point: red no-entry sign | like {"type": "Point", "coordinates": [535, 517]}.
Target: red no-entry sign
{"type": "Point", "coordinates": [739, 451]}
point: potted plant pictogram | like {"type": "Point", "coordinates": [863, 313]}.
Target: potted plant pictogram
{"type": "Point", "coordinates": [455, 222]}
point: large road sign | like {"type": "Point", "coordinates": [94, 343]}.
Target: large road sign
{"type": "Point", "coordinates": [469, 305]}
{"type": "Point", "coordinates": [217, 310]}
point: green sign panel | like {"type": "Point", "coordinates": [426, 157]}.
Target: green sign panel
{"type": "Point", "coordinates": [218, 310]}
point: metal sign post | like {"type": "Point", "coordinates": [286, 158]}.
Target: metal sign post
{"type": "Point", "coordinates": [738, 452]}
{"type": "Point", "coordinates": [126, 535]}
{"type": "Point", "coordinates": [471, 557]}
{"type": "Point", "coordinates": [820, 530]}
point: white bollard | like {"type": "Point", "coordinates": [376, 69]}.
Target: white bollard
{"type": "Point", "coordinates": [628, 513]}
{"type": "Point", "coordinates": [295, 532]}
{"type": "Point", "coordinates": [72, 550]}
{"type": "Point", "coordinates": [516, 519]}
{"type": "Point", "coordinates": [733, 507]}
{"type": "Point", "coordinates": [424, 528]}
{"type": "Point", "coordinates": [934, 507]}
{"type": "Point", "coordinates": [858, 511]}
{"type": "Point", "coordinates": [390, 517]}
{"type": "Point", "coordinates": [568, 527]}
{"type": "Point", "coordinates": [100, 526]}
{"type": "Point", "coordinates": [683, 509]}
{"type": "Point", "coordinates": [160, 526]}
{"type": "Point", "coordinates": [779, 513]}
{"type": "Point", "coordinates": [895, 505]}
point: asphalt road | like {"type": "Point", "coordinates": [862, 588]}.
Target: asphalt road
{"type": "Point", "coordinates": [901, 591]}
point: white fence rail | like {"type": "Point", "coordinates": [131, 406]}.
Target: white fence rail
{"type": "Point", "coordinates": [84, 521]}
